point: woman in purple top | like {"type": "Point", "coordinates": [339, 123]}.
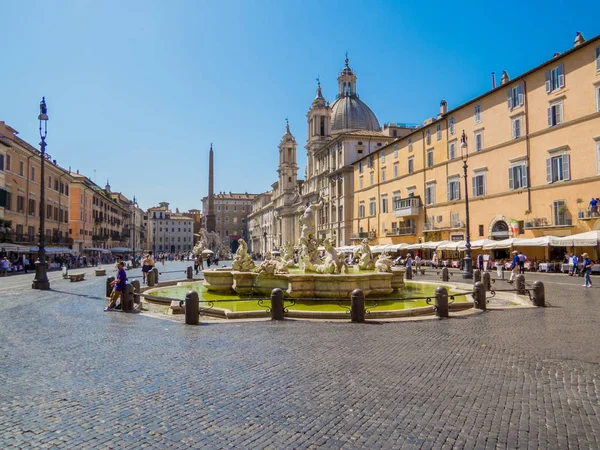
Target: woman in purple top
{"type": "Point", "coordinates": [118, 287]}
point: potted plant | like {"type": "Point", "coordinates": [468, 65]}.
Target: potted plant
{"type": "Point", "coordinates": [580, 213]}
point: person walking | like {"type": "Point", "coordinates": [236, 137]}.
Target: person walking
{"type": "Point", "coordinates": [514, 267]}
{"type": "Point", "coordinates": [118, 287]}
{"type": "Point", "coordinates": [480, 261]}
{"type": "Point", "coordinates": [417, 263]}
{"type": "Point", "coordinates": [201, 261]}
{"type": "Point", "coordinates": [522, 259]}
{"type": "Point", "coordinates": [196, 264]}
{"type": "Point", "coordinates": [575, 267]}
{"type": "Point", "coordinates": [4, 265]}
{"type": "Point", "coordinates": [147, 265]}
{"type": "Point", "coordinates": [587, 270]}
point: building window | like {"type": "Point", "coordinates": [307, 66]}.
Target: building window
{"type": "Point", "coordinates": [479, 141]}
{"type": "Point", "coordinates": [559, 212]}
{"type": "Point", "coordinates": [558, 168]}
{"type": "Point", "coordinates": [517, 176]}
{"type": "Point", "coordinates": [453, 189]}
{"type": "Point", "coordinates": [396, 170]}
{"type": "Point", "coordinates": [597, 109]}
{"type": "Point", "coordinates": [410, 148]}
{"type": "Point", "coordinates": [2, 162]}
{"type": "Point", "coordinates": [477, 113]}
{"type": "Point", "coordinates": [21, 168]}
{"type": "Point", "coordinates": [429, 194]}
{"type": "Point", "coordinates": [516, 97]}
{"type": "Point", "coordinates": [8, 163]}
{"type": "Point", "coordinates": [395, 150]}
{"type": "Point", "coordinates": [555, 114]}
{"type": "Point", "coordinates": [360, 182]}
{"type": "Point", "coordinates": [31, 207]}
{"type": "Point", "coordinates": [370, 161]}
{"type": "Point", "coordinates": [452, 150]}
{"type": "Point", "coordinates": [32, 173]}
{"type": "Point", "coordinates": [384, 203]}
{"type": "Point", "coordinates": [361, 209]}
{"type": "Point", "coordinates": [479, 185]}
{"type": "Point", "coordinates": [430, 158]}
{"type": "Point", "coordinates": [428, 137]}
{"type": "Point", "coordinates": [411, 164]}
{"type": "Point", "coordinates": [451, 125]}
{"type": "Point", "coordinates": [371, 179]}
{"type": "Point", "coordinates": [438, 131]}
{"type": "Point", "coordinates": [372, 207]}
{"type": "Point", "coordinates": [383, 174]}
{"type": "Point", "coordinates": [360, 167]}
{"type": "Point", "coordinates": [555, 78]}
{"type": "Point", "coordinates": [516, 128]}
{"type": "Point", "coordinates": [396, 199]}
{"type": "Point", "coordinates": [598, 59]}
{"type": "Point", "coordinates": [480, 230]}
{"type": "Point", "coordinates": [382, 157]}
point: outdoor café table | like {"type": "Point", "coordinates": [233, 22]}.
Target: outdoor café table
{"type": "Point", "coordinates": [549, 267]}
{"type": "Point", "coordinates": [565, 268]}
{"type": "Point", "coordinates": [596, 268]}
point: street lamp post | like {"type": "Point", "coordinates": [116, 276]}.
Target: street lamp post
{"type": "Point", "coordinates": [41, 277]}
{"type": "Point", "coordinates": [464, 151]}
{"type": "Point", "coordinates": [134, 208]}
{"type": "Point", "coordinates": [265, 236]}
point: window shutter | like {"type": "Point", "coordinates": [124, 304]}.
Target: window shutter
{"type": "Point", "coordinates": [449, 191]}
{"type": "Point", "coordinates": [550, 116]}
{"type": "Point", "coordinates": [598, 58]}
{"type": "Point", "coordinates": [565, 167]}
{"type": "Point", "coordinates": [561, 76]}
{"type": "Point", "coordinates": [474, 186]}
{"type": "Point", "coordinates": [510, 100]}
{"type": "Point", "coordinates": [521, 95]}
{"type": "Point", "coordinates": [559, 115]}
{"type": "Point", "coordinates": [548, 83]}
{"type": "Point", "coordinates": [549, 170]}
{"type": "Point", "coordinates": [511, 181]}
{"type": "Point", "coordinates": [524, 177]}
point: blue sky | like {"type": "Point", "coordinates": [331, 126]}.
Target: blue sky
{"type": "Point", "coordinates": [137, 90]}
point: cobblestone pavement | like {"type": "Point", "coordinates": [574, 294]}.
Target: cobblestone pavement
{"type": "Point", "coordinates": [73, 376]}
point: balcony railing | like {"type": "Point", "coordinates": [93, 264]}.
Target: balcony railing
{"type": "Point", "coordinates": [452, 225]}
{"type": "Point", "coordinates": [543, 222]}
{"type": "Point", "coordinates": [363, 235]}
{"type": "Point", "coordinates": [402, 231]}
{"type": "Point", "coordinates": [406, 207]}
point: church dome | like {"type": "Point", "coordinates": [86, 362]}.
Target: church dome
{"type": "Point", "coordinates": [349, 113]}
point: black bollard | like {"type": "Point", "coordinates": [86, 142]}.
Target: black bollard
{"type": "Point", "coordinates": [445, 276]}
{"type": "Point", "coordinates": [539, 294]}
{"type": "Point", "coordinates": [155, 270]}
{"type": "Point", "coordinates": [476, 276]}
{"type": "Point", "coordinates": [408, 274]}
{"type": "Point", "coordinates": [127, 298]}
{"type": "Point", "coordinates": [441, 302]}
{"type": "Point", "coordinates": [520, 284]}
{"type": "Point", "coordinates": [136, 289]}
{"type": "Point", "coordinates": [192, 308]}
{"type": "Point", "coordinates": [357, 305]}
{"type": "Point", "coordinates": [487, 281]}
{"type": "Point", "coordinates": [479, 296]}
{"type": "Point", "coordinates": [109, 287]}
{"type": "Point", "coordinates": [190, 273]}
{"type": "Point", "coordinates": [276, 304]}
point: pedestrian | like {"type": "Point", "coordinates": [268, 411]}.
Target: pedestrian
{"type": "Point", "coordinates": [514, 266]}
{"type": "Point", "coordinates": [409, 261]}
{"type": "Point", "coordinates": [4, 265]}
{"type": "Point", "coordinates": [480, 261]}
{"type": "Point", "coordinates": [575, 267]}
{"type": "Point", "coordinates": [196, 264]}
{"type": "Point", "coordinates": [147, 265]}
{"type": "Point", "coordinates": [522, 259]}
{"type": "Point", "coordinates": [434, 260]}
{"type": "Point", "coordinates": [417, 263]}
{"type": "Point", "coordinates": [208, 261]}
{"type": "Point", "coordinates": [201, 261]}
{"type": "Point", "coordinates": [587, 270]}
{"type": "Point", "coordinates": [25, 264]}
{"type": "Point", "coordinates": [118, 287]}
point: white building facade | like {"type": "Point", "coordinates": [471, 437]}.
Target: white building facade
{"type": "Point", "coordinates": [168, 232]}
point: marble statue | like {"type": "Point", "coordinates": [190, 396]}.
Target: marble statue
{"type": "Point", "coordinates": [384, 263]}
{"type": "Point", "coordinates": [288, 254]}
{"type": "Point", "coordinates": [365, 256]}
{"type": "Point", "coordinates": [333, 263]}
{"type": "Point", "coordinates": [242, 261]}
{"type": "Point", "coordinates": [272, 266]}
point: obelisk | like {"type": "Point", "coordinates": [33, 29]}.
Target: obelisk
{"type": "Point", "coordinates": [210, 216]}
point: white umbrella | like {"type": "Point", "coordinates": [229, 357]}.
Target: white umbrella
{"type": "Point", "coordinates": [207, 252]}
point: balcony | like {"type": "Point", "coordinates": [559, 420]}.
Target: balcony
{"type": "Point", "coordinates": [407, 207]}
{"type": "Point", "coordinates": [363, 235]}
{"type": "Point", "coordinates": [402, 231]}
{"type": "Point", "coordinates": [543, 222]}
{"type": "Point", "coordinates": [438, 226]}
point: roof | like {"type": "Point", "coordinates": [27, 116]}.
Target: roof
{"type": "Point", "coordinates": [350, 113]}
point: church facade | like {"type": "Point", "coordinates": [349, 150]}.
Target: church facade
{"type": "Point", "coordinates": [339, 134]}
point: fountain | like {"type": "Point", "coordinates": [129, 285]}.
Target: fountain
{"type": "Point", "coordinates": [326, 278]}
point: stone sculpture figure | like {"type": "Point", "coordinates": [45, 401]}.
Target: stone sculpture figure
{"type": "Point", "coordinates": [272, 266]}
{"type": "Point", "coordinates": [365, 256]}
{"type": "Point", "coordinates": [242, 261]}
{"type": "Point", "coordinates": [288, 254]}
{"type": "Point", "coordinates": [333, 263]}
{"type": "Point", "coordinates": [384, 263]}
{"type": "Point", "coordinates": [307, 219]}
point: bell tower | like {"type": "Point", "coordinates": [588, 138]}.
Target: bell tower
{"type": "Point", "coordinates": [319, 125]}
{"type": "Point", "coordinates": [288, 167]}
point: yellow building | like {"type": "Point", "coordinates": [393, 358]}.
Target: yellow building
{"type": "Point", "coordinates": [533, 162]}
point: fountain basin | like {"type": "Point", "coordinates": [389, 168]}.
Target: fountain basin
{"type": "Point", "coordinates": [306, 285]}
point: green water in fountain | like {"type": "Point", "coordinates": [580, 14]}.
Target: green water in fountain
{"type": "Point", "coordinates": [232, 301]}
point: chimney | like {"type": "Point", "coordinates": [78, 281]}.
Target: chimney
{"type": "Point", "coordinates": [493, 80]}
{"type": "Point", "coordinates": [443, 107]}
{"type": "Point", "coordinates": [505, 78]}
{"type": "Point", "coordinates": [579, 39]}
{"type": "Point", "coordinates": [77, 171]}
{"type": "Point", "coordinates": [556, 54]}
